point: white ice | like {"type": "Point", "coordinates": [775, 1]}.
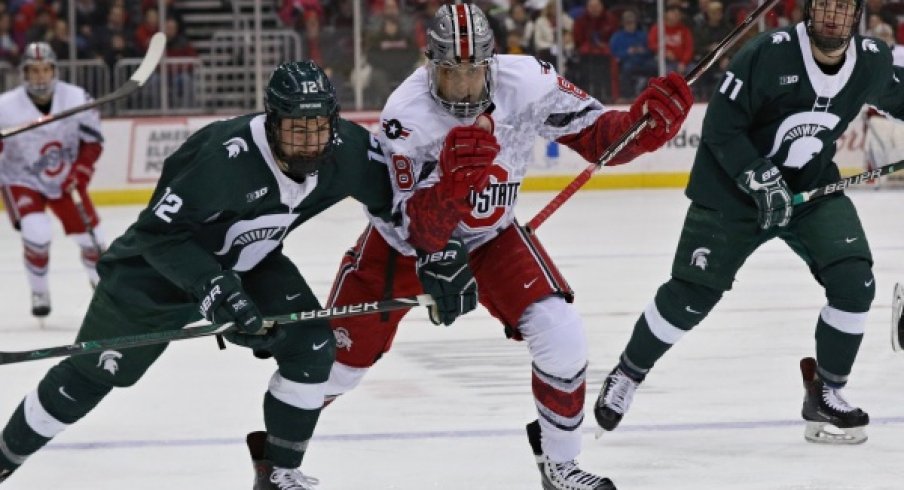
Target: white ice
{"type": "Point", "coordinates": [446, 408]}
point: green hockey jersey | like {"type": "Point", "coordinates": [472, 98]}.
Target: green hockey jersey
{"type": "Point", "coordinates": [222, 203]}
{"type": "Point", "coordinates": [775, 102]}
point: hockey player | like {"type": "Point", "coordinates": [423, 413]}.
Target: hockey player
{"type": "Point", "coordinates": [455, 175]}
{"type": "Point", "coordinates": [212, 236]}
{"type": "Point", "coordinates": [40, 168]}
{"type": "Point", "coordinates": [769, 132]}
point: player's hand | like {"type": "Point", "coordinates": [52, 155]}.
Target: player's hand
{"type": "Point", "coordinates": [668, 100]}
{"type": "Point", "coordinates": [79, 176]}
{"type": "Point", "coordinates": [222, 299]}
{"type": "Point", "coordinates": [467, 154]}
{"type": "Point", "coordinates": [764, 183]}
{"type": "Point", "coordinates": [446, 276]}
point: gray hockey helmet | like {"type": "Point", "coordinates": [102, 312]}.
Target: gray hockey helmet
{"type": "Point", "coordinates": [37, 53]}
{"type": "Point", "coordinates": [843, 13]}
{"type": "Point", "coordinates": [459, 40]}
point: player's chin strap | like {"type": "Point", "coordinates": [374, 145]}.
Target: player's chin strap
{"type": "Point", "coordinates": [191, 332]}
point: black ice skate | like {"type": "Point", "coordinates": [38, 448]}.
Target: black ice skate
{"type": "Point", "coordinates": [40, 304]}
{"type": "Point", "coordinates": [614, 399]}
{"type": "Point", "coordinates": [4, 474]}
{"type": "Point", "coordinates": [268, 477]}
{"type": "Point", "coordinates": [830, 419]}
{"type": "Point", "coordinates": [897, 319]}
{"type": "Point", "coordinates": [563, 476]}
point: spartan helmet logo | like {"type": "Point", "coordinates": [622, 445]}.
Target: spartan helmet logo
{"type": "Point", "coordinates": [699, 259]}
{"type": "Point", "coordinates": [343, 340]}
{"type": "Point", "coordinates": [234, 146]}
{"type": "Point", "coordinates": [108, 360]}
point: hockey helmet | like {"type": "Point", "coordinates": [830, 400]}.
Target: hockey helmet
{"type": "Point", "coordinates": [37, 54]}
{"type": "Point", "coordinates": [461, 54]}
{"type": "Point", "coordinates": [832, 23]}
{"type": "Point", "coordinates": [302, 118]}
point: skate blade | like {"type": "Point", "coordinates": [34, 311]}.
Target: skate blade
{"type": "Point", "coordinates": [825, 433]}
{"type": "Point", "coordinates": [599, 433]}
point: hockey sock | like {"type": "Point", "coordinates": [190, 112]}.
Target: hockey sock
{"type": "Point", "coordinates": [291, 410]}
{"type": "Point", "coordinates": [678, 307]}
{"type": "Point", "coordinates": [37, 257]}
{"type": "Point", "coordinates": [63, 397]}
{"type": "Point", "coordinates": [836, 349]}
{"type": "Point", "coordinates": [90, 254]}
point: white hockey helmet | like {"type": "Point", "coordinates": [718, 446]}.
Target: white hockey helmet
{"type": "Point", "coordinates": [461, 53]}
{"type": "Point", "coordinates": [38, 53]}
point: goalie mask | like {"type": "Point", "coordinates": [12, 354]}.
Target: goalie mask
{"type": "Point", "coordinates": [302, 118]}
{"type": "Point", "coordinates": [832, 23]}
{"type": "Point", "coordinates": [39, 70]}
{"type": "Point", "coordinates": [461, 59]}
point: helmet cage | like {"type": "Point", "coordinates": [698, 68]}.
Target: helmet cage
{"type": "Point", "coordinates": [300, 90]}
{"type": "Point", "coordinates": [38, 53]}
{"type": "Point", "coordinates": [826, 43]}
{"type": "Point", "coordinates": [457, 35]}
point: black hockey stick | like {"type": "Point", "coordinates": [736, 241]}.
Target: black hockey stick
{"type": "Point", "coordinates": [86, 220]}
{"type": "Point", "coordinates": [116, 343]}
{"type": "Point", "coordinates": [845, 183]}
{"type": "Point", "coordinates": [632, 132]}
{"type": "Point", "coordinates": [151, 59]}
{"type": "Point", "coordinates": [897, 319]}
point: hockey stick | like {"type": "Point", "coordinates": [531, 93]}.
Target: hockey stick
{"type": "Point", "coordinates": [897, 319]}
{"type": "Point", "coordinates": [845, 183]}
{"type": "Point", "coordinates": [138, 79]}
{"type": "Point", "coordinates": [116, 343]}
{"type": "Point", "coordinates": [86, 220]}
{"type": "Point", "coordinates": [629, 135]}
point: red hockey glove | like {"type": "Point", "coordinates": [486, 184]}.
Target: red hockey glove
{"type": "Point", "coordinates": [667, 100]}
{"type": "Point", "coordinates": [466, 155]}
{"type": "Point", "coordinates": [79, 176]}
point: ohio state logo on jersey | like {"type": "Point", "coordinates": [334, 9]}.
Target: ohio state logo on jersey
{"type": "Point", "coordinates": [489, 206]}
{"type": "Point", "coordinates": [51, 162]}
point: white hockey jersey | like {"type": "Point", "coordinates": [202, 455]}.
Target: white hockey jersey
{"type": "Point", "coordinates": [530, 100]}
{"type": "Point", "coordinates": [40, 158]}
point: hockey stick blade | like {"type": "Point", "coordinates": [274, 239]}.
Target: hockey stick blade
{"type": "Point", "coordinates": [139, 78]}
{"type": "Point", "coordinates": [117, 343]}
{"type": "Point", "coordinates": [897, 318]}
{"type": "Point", "coordinates": [845, 183]}
{"type": "Point", "coordinates": [631, 134]}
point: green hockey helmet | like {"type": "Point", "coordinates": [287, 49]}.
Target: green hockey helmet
{"type": "Point", "coordinates": [302, 118]}
{"type": "Point", "coordinates": [832, 23]}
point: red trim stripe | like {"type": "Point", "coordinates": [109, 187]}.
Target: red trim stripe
{"type": "Point", "coordinates": [463, 31]}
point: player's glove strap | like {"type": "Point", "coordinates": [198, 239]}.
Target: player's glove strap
{"type": "Point", "coordinates": [763, 182]}
{"type": "Point", "coordinates": [446, 276]}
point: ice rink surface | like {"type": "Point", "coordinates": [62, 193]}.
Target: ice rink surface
{"type": "Point", "coordinates": [446, 408]}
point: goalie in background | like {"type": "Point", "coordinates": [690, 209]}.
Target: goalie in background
{"type": "Point", "coordinates": [41, 167]}
{"type": "Point", "coordinates": [769, 133]}
{"type": "Point", "coordinates": [883, 135]}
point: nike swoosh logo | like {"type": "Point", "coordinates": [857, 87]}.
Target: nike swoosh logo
{"type": "Point", "coordinates": [850, 240]}
{"type": "Point", "coordinates": [691, 310]}
{"type": "Point", "coordinates": [319, 346]}
{"type": "Point", "coordinates": [290, 297]}
{"type": "Point", "coordinates": [869, 283]}
{"type": "Point", "coordinates": [531, 283]}
{"type": "Point", "coordinates": [63, 392]}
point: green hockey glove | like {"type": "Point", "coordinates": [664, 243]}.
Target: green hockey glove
{"type": "Point", "coordinates": [222, 299]}
{"type": "Point", "coordinates": [764, 183]}
{"type": "Point", "coordinates": [446, 276]}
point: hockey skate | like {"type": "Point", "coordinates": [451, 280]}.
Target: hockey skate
{"type": "Point", "coordinates": [897, 319]}
{"type": "Point", "coordinates": [830, 418]}
{"type": "Point", "coordinates": [562, 476]}
{"type": "Point", "coordinates": [40, 304]}
{"type": "Point", "coordinates": [4, 474]}
{"type": "Point", "coordinates": [614, 399]}
{"type": "Point", "coordinates": [268, 477]}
